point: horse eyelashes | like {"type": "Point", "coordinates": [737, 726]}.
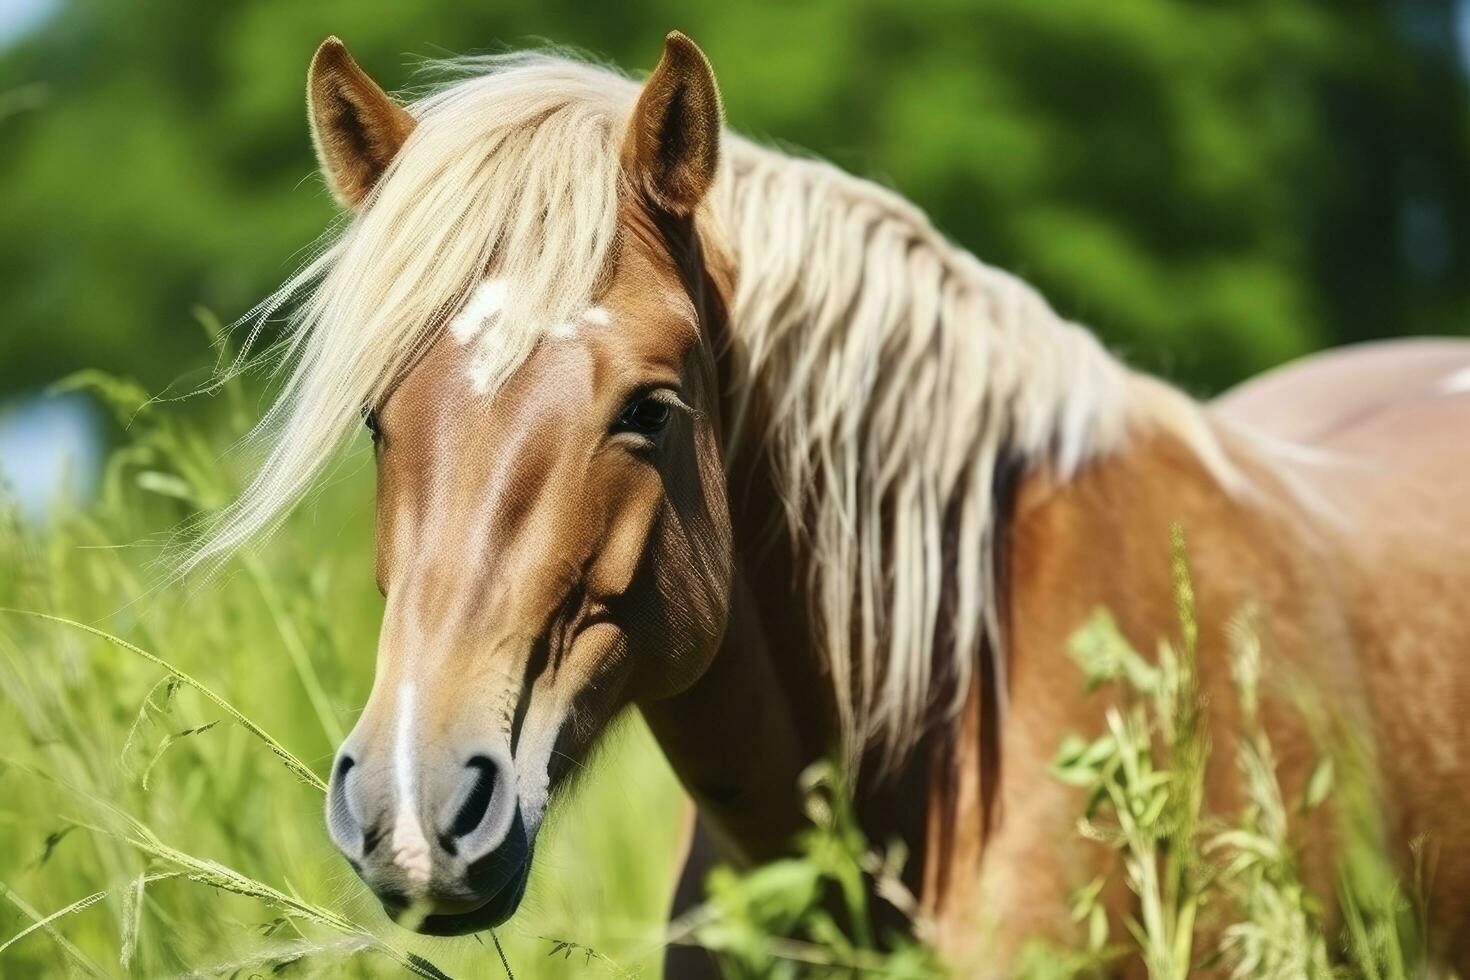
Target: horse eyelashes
{"type": "Point", "coordinates": [646, 416]}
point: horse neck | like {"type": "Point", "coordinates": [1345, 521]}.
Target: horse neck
{"type": "Point", "coordinates": [978, 350]}
{"type": "Point", "coordinates": [896, 375]}
{"type": "Point", "coordinates": [741, 737]}
{"type": "Point", "coordinates": [737, 738]}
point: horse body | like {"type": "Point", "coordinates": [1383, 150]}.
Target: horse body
{"type": "Point", "coordinates": [1347, 547]}
{"type": "Point", "coordinates": [669, 420]}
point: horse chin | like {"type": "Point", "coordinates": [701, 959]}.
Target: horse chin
{"type": "Point", "coordinates": [487, 915]}
{"type": "Point", "coordinates": [500, 876]}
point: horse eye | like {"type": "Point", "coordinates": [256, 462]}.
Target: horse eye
{"type": "Point", "coordinates": [646, 416]}
{"type": "Point", "coordinates": [370, 420]}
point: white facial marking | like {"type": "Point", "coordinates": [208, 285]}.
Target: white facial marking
{"type": "Point", "coordinates": [485, 303]}
{"type": "Point", "coordinates": [1456, 383]}
{"type": "Point", "coordinates": [479, 374]}
{"type": "Point", "coordinates": [594, 316]}
{"type": "Point", "coordinates": [410, 847]}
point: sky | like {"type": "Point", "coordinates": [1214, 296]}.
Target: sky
{"type": "Point", "coordinates": [1462, 32]}
{"type": "Point", "coordinates": [19, 16]}
{"type": "Point", "coordinates": [50, 450]}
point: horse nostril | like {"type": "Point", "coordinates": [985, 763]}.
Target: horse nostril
{"type": "Point", "coordinates": [480, 777]}
{"type": "Point", "coordinates": [473, 822]}
{"type": "Point", "coordinates": [344, 816]}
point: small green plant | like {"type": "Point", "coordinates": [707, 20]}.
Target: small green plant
{"type": "Point", "coordinates": [1279, 935]}
{"type": "Point", "coordinates": [1144, 779]}
{"type": "Point", "coordinates": [809, 915]}
{"type": "Point", "coordinates": [1146, 802]}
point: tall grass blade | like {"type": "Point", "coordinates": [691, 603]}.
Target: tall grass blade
{"type": "Point", "coordinates": [225, 878]}
{"type": "Point", "coordinates": [44, 923]}
{"type": "Point", "coordinates": [321, 705]}
{"type": "Point", "coordinates": [132, 920]}
{"type": "Point", "coordinates": [168, 742]}
{"type": "Point", "coordinates": [298, 767]}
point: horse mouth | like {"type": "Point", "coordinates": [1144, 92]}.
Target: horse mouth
{"type": "Point", "coordinates": [491, 912]}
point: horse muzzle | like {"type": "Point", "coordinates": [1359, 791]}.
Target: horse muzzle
{"type": "Point", "coordinates": [441, 841]}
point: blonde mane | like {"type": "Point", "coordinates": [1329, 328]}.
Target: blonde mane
{"type": "Point", "coordinates": [898, 372]}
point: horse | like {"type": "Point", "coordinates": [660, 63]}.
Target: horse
{"type": "Point", "coordinates": [668, 421]}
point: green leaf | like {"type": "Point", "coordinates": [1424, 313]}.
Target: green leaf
{"type": "Point", "coordinates": [1319, 784]}
{"type": "Point", "coordinates": [167, 485]}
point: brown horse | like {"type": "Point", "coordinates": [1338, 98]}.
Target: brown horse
{"type": "Point", "coordinates": [664, 419]}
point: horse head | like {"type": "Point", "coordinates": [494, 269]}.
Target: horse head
{"type": "Point", "coordinates": [553, 541]}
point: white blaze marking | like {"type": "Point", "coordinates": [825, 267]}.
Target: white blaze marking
{"type": "Point", "coordinates": [487, 300]}
{"type": "Point", "coordinates": [485, 304]}
{"type": "Point", "coordinates": [410, 847]}
{"type": "Point", "coordinates": [594, 316]}
{"type": "Point", "coordinates": [479, 374]}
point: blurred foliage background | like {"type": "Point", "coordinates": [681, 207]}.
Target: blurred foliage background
{"type": "Point", "coordinates": [1214, 187]}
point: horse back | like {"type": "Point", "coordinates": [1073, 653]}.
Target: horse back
{"type": "Point", "coordinates": [1386, 475]}
{"type": "Point", "coordinates": [1384, 481]}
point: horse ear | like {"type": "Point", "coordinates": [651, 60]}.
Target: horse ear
{"type": "Point", "coordinates": [672, 146]}
{"type": "Point", "coordinates": [356, 128]}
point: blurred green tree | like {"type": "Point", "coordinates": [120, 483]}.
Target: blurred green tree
{"type": "Point", "coordinates": [1213, 187]}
